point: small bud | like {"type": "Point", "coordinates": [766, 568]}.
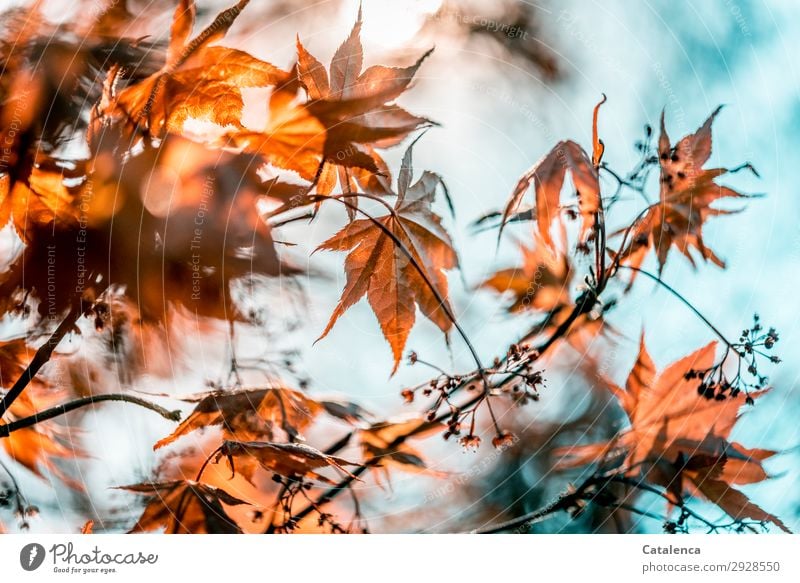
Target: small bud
{"type": "Point", "coordinates": [503, 439]}
{"type": "Point", "coordinates": [470, 441]}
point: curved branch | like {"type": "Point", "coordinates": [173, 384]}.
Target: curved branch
{"type": "Point", "coordinates": [331, 493]}
{"type": "Point", "coordinates": [57, 411]}
{"type": "Point", "coordinates": [563, 502]}
{"type": "Point", "coordinates": [683, 300]}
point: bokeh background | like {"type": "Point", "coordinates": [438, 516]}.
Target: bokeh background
{"type": "Point", "coordinates": [508, 79]}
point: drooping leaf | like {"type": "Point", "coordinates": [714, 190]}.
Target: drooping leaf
{"type": "Point", "coordinates": [598, 147]}
{"type": "Point", "coordinates": [185, 507]}
{"type": "Point", "coordinates": [249, 415]}
{"type": "Point", "coordinates": [291, 460]}
{"type": "Point", "coordinates": [398, 261]}
{"type": "Point", "coordinates": [547, 178]}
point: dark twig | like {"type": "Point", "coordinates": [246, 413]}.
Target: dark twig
{"type": "Point", "coordinates": [42, 355]}
{"type": "Point", "coordinates": [683, 300]}
{"type": "Point", "coordinates": [563, 502]}
{"type": "Point", "coordinates": [57, 411]}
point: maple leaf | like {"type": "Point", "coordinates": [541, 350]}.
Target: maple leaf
{"type": "Point", "coordinates": [205, 83]}
{"type": "Point", "coordinates": [686, 194]}
{"type": "Point", "coordinates": [291, 460]}
{"type": "Point", "coordinates": [677, 439]}
{"type": "Point", "coordinates": [185, 507]}
{"type": "Point", "coordinates": [547, 177]}
{"type": "Point", "coordinates": [543, 283]}
{"type": "Point", "coordinates": [40, 199]}
{"type": "Point", "coordinates": [249, 414]}
{"type": "Point", "coordinates": [397, 261]}
{"type": "Point", "coordinates": [354, 107]}
{"type": "Point", "coordinates": [196, 80]}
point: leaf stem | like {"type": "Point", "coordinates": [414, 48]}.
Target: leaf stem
{"type": "Point", "coordinates": [420, 269]}
{"type": "Point", "coordinates": [683, 300]}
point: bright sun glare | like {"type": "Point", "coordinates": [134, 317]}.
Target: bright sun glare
{"type": "Point", "coordinates": [390, 24]}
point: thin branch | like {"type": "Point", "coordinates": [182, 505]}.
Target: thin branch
{"type": "Point", "coordinates": [563, 502]}
{"type": "Point", "coordinates": [42, 355]}
{"type": "Point", "coordinates": [683, 300]}
{"type": "Point", "coordinates": [336, 447]}
{"type": "Point", "coordinates": [333, 491]}
{"type": "Point", "coordinates": [57, 411]}
{"type": "Point", "coordinates": [632, 509]}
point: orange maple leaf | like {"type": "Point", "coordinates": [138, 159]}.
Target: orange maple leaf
{"type": "Point", "coordinates": [686, 195]}
{"type": "Point", "coordinates": [677, 439]}
{"type": "Point", "coordinates": [249, 414]}
{"type": "Point", "coordinates": [354, 106]}
{"type": "Point", "coordinates": [547, 177]}
{"type": "Point", "coordinates": [397, 261]}
{"type": "Point", "coordinates": [185, 507]}
{"type": "Point", "coordinates": [205, 83]}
